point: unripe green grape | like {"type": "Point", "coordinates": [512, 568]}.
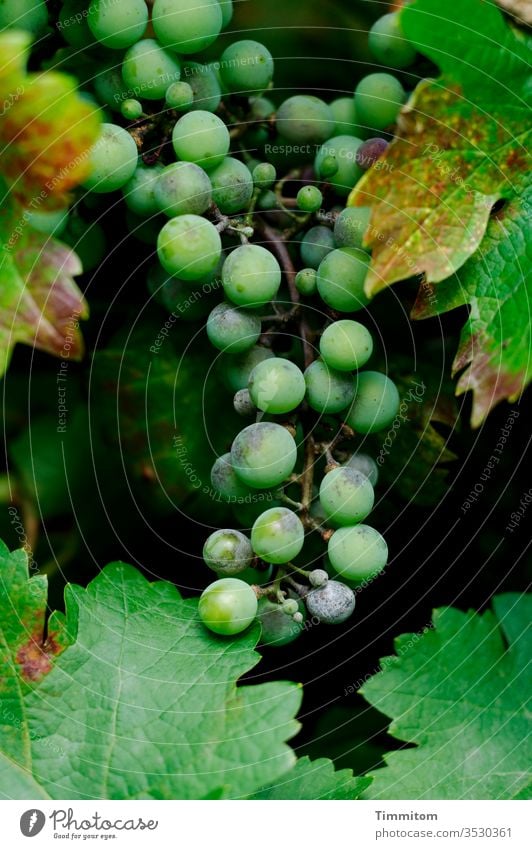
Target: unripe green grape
{"type": "Point", "coordinates": [278, 627]}
{"type": "Point", "coordinates": [110, 87]}
{"type": "Point", "coordinates": [224, 480]}
{"type": "Point", "coordinates": [232, 186]}
{"type": "Point", "coordinates": [318, 578]}
{"type": "Point", "coordinates": [202, 138]}
{"type": "Point", "coordinates": [29, 15]}
{"type": "Point", "coordinates": [328, 391]}
{"type": "Point", "coordinates": [150, 69]}
{"type": "Point", "coordinates": [179, 95]}
{"type": "Point", "coordinates": [358, 553]}
{"type": "Point", "coordinates": [227, 552]}
{"type": "Point", "coordinates": [260, 575]}
{"type": "Point", "coordinates": [376, 403]}
{"type": "Point", "coordinates": [251, 276]}
{"type": "Point", "coordinates": [344, 150]}
{"type": "Point", "coordinates": [309, 199]}
{"type": "Point", "coordinates": [189, 247]}
{"type": "Point", "coordinates": [364, 464]}
{"type": "Point", "coordinates": [303, 118]}
{"type": "Point", "coordinates": [243, 404]}
{"type": "Point", "coordinates": [131, 109]}
{"type": "Point", "coordinates": [267, 201]}
{"type": "Point", "coordinates": [228, 606]}
{"type": "Point", "coordinates": [227, 11]}
{"type": "Point", "coordinates": [344, 112]}
{"type": "Point", "coordinates": [328, 167]}
{"type": "Point", "coordinates": [112, 160]}
{"type": "Point", "coordinates": [232, 330]}
{"type": "Point", "coordinates": [351, 225]}
{"type": "Point", "coordinates": [290, 606]}
{"type": "Point", "coordinates": [378, 100]}
{"type": "Point", "coordinates": [237, 370]}
{"type": "Point", "coordinates": [191, 302]}
{"type": "Point", "coordinates": [276, 386]}
{"type": "Point", "coordinates": [248, 510]}
{"type": "Point", "coordinates": [307, 281]}
{"type": "Point", "coordinates": [72, 22]}
{"type": "Point", "coordinates": [346, 496]}
{"type": "Point", "coordinates": [187, 26]}
{"type": "Point", "coordinates": [205, 86]}
{"type": "Point", "coordinates": [182, 188]}
{"type": "Point", "coordinates": [261, 108]}
{"type": "Point", "coordinates": [246, 66]}
{"type": "Point", "coordinates": [346, 345]}
{"type": "Point", "coordinates": [332, 604]}
{"type": "Point", "coordinates": [117, 25]}
{"type": "Point", "coordinates": [51, 223]}
{"type": "Point", "coordinates": [264, 175]}
{"type": "Point", "coordinates": [315, 245]}
{"type": "Point", "coordinates": [263, 455]}
{"type": "Point", "coordinates": [388, 44]}
{"type": "Point", "coordinates": [341, 278]}
{"type": "Point", "coordinates": [277, 535]}
{"type": "Point", "coordinates": [139, 191]}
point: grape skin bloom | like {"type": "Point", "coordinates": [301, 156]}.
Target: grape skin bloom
{"type": "Point", "coordinates": [277, 386]}
{"type": "Point", "coordinates": [263, 455]}
{"type": "Point", "coordinates": [277, 535]}
{"type": "Point", "coordinates": [376, 403]}
{"type": "Point", "coordinates": [227, 552]}
{"type": "Point", "coordinates": [357, 553]}
{"type": "Point", "coordinates": [346, 496]}
{"type": "Point", "coordinates": [231, 329]}
{"type": "Point", "coordinates": [328, 391]}
{"type": "Point", "coordinates": [189, 247]}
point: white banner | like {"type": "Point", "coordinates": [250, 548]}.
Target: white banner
{"type": "Point", "coordinates": [261, 825]}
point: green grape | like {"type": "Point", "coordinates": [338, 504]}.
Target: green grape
{"type": "Point", "coordinates": [332, 604]}
{"type": "Point", "coordinates": [251, 276]}
{"type": "Point", "coordinates": [247, 511]}
{"type": "Point", "coordinates": [112, 160]}
{"type": "Point", "coordinates": [29, 15]}
{"type": "Point", "coordinates": [378, 99]}
{"type": "Point", "coordinates": [227, 552]}
{"type": "Point", "coordinates": [139, 191]}
{"type": "Point", "coordinates": [237, 370]}
{"type": "Point", "coordinates": [263, 455]}
{"type": "Point", "coordinates": [110, 87]}
{"type": "Point", "coordinates": [346, 345]}
{"type": "Point", "coordinates": [277, 386]}
{"type": "Point", "coordinates": [318, 578]}
{"type": "Point", "coordinates": [261, 108]}
{"type": "Point", "coordinates": [344, 150]}
{"type": "Point", "coordinates": [346, 496]}
{"type": "Point", "coordinates": [290, 606]}
{"type": "Point", "coordinates": [376, 403]}
{"type": "Point", "coordinates": [264, 175]}
{"type": "Point", "coordinates": [232, 186]}
{"type": "Point", "coordinates": [351, 225]}
{"type": "Point", "coordinates": [309, 199]}
{"type": "Point", "coordinates": [328, 391]}
{"type": "Point", "coordinates": [328, 167]}
{"type": "Point", "coordinates": [341, 278]}
{"type": "Point", "coordinates": [131, 109]}
{"type": "Point", "coordinates": [232, 330]}
{"type": "Point", "coordinates": [305, 119]}
{"type": "Point", "coordinates": [117, 25]}
{"type": "Point", "coordinates": [187, 26]}
{"type": "Point", "coordinates": [189, 247]}
{"type": "Point", "coordinates": [278, 627]}
{"type": "Point", "coordinates": [243, 405]}
{"type": "Point", "coordinates": [307, 281]}
{"type": "Point", "coordinates": [202, 138]}
{"type": "Point", "coordinates": [182, 188]}
{"type": "Point", "coordinates": [364, 464]}
{"type": "Point", "coordinates": [227, 11]}
{"type": "Point", "coordinates": [315, 245]}
{"type": "Point", "coordinates": [278, 535]}
{"type": "Point", "coordinates": [51, 223]}
{"type": "Point", "coordinates": [205, 86]}
{"type": "Point", "coordinates": [388, 44]}
{"type": "Point", "coordinates": [149, 69]}
{"type": "Point", "coordinates": [357, 554]}
{"type": "Point", "coordinates": [344, 113]}
{"type": "Point", "coordinates": [246, 66]}
{"type": "Point", "coordinates": [87, 240]}
{"type": "Point", "coordinates": [179, 96]}
{"type": "Point", "coordinates": [267, 201]}
{"type": "Point", "coordinates": [72, 23]}
{"type": "Point", "coordinates": [225, 481]}
{"type": "Point", "coordinates": [186, 301]}
{"type": "Point", "coordinates": [227, 606]}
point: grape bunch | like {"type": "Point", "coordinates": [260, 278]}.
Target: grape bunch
{"type": "Point", "coordinates": [240, 198]}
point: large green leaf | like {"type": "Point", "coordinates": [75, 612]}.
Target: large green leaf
{"type": "Point", "coordinates": [459, 693]}
{"type": "Point", "coordinates": [316, 780]}
{"type": "Point", "coordinates": [143, 702]}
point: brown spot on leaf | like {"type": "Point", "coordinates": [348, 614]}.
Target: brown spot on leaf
{"type": "Point", "coordinates": [33, 660]}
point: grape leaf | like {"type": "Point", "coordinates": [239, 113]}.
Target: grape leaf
{"type": "Point", "coordinates": [142, 703]}
{"type": "Point", "coordinates": [315, 780]}
{"type": "Point", "coordinates": [459, 694]}
{"type": "Point", "coordinates": [496, 283]}
{"type": "Point", "coordinates": [46, 130]}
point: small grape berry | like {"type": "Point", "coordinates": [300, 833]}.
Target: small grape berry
{"type": "Point", "coordinates": [332, 603]}
{"type": "Point", "coordinates": [290, 606]}
{"type": "Point", "coordinates": [318, 577]}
